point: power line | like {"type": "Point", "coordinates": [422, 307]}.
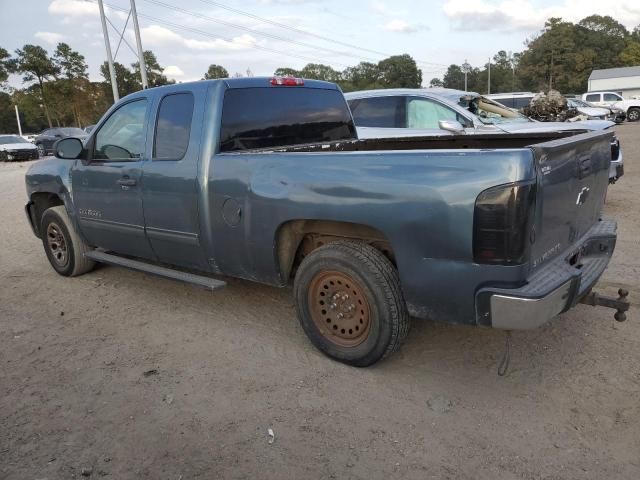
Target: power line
{"type": "Point", "coordinates": [306, 32]}
{"type": "Point", "coordinates": [209, 35]}
{"type": "Point", "coordinates": [255, 32]}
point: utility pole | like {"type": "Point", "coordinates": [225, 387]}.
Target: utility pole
{"type": "Point", "coordinates": [136, 28]}
{"type": "Point", "coordinates": [551, 73]}
{"type": "Point", "coordinates": [112, 72]}
{"type": "Point", "coordinates": [489, 77]}
{"type": "Point", "coordinates": [465, 69]}
{"type": "Point", "coordinates": [18, 119]}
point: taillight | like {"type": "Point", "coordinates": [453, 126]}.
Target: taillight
{"type": "Point", "coordinates": [287, 81]}
{"type": "Point", "coordinates": [502, 224]}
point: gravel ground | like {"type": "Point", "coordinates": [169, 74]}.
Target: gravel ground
{"type": "Point", "coordinates": [120, 375]}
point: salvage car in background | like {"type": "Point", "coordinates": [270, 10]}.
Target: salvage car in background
{"type": "Point", "coordinates": [45, 140]}
{"type": "Point", "coordinates": [612, 99]}
{"type": "Point", "coordinates": [438, 111]}
{"type": "Point", "coordinates": [16, 148]}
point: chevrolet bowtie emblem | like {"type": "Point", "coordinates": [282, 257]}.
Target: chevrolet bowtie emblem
{"type": "Point", "coordinates": [582, 196]}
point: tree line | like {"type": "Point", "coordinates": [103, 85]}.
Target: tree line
{"type": "Point", "coordinates": [58, 91]}
{"type": "Point", "coordinates": [561, 56]}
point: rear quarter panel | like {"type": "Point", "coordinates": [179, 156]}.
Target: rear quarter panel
{"type": "Point", "coordinates": [422, 201]}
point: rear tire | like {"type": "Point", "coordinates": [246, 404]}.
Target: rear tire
{"type": "Point", "coordinates": [350, 303]}
{"type": "Point", "coordinates": [63, 246]}
{"type": "Point", "coordinates": [633, 115]}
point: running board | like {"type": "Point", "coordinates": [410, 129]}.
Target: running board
{"type": "Point", "coordinates": [192, 278]}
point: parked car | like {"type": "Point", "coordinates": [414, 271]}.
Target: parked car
{"type": "Point", "coordinates": [45, 140]}
{"type": "Point", "coordinates": [612, 99]}
{"type": "Point", "coordinates": [440, 111]}
{"type": "Point", "coordinates": [29, 137]}
{"type": "Point", "coordinates": [16, 148]}
{"type": "Point", "coordinates": [519, 100]}
{"type": "Point", "coordinates": [265, 179]}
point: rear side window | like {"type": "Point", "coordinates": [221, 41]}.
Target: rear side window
{"type": "Point", "coordinates": [282, 116]}
{"type": "Point", "coordinates": [594, 97]}
{"type": "Point", "coordinates": [382, 112]}
{"type": "Point", "coordinates": [507, 102]}
{"type": "Point", "coordinates": [173, 127]}
{"type": "Point", "coordinates": [521, 102]}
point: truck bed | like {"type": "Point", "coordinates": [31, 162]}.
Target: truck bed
{"type": "Point", "coordinates": [446, 142]}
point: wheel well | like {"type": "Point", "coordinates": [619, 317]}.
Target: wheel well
{"type": "Point", "coordinates": [41, 202]}
{"type": "Point", "coordinates": [297, 238]}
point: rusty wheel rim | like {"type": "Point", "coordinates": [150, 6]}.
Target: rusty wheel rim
{"type": "Point", "coordinates": [57, 244]}
{"type": "Point", "coordinates": [339, 308]}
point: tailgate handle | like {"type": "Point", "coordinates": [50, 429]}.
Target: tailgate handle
{"type": "Point", "coordinates": [584, 166]}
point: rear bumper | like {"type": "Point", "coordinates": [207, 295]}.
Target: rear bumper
{"type": "Point", "coordinates": [616, 168]}
{"type": "Point", "coordinates": [552, 289]}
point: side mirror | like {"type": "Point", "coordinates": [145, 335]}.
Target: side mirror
{"type": "Point", "coordinates": [451, 126]}
{"type": "Point", "coordinates": [68, 148]}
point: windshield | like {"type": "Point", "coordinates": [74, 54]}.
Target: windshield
{"type": "Point", "coordinates": [490, 112]}
{"type": "Point", "coordinates": [5, 139]}
{"type": "Point", "coordinates": [73, 132]}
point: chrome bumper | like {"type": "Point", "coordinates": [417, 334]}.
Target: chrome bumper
{"type": "Point", "coordinates": [552, 289]}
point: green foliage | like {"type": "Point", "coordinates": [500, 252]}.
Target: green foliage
{"type": "Point", "coordinates": [5, 65]}
{"type": "Point", "coordinates": [216, 71]}
{"type": "Point", "coordinates": [394, 72]}
{"type": "Point", "coordinates": [436, 82]}
{"type": "Point", "coordinates": [286, 72]}
{"type": "Point", "coordinates": [630, 56]}
{"type": "Point", "coordinates": [155, 78]}
{"type": "Point", "coordinates": [400, 71]}
{"type": "Point", "coordinates": [127, 80]}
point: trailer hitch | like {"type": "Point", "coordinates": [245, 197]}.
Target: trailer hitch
{"type": "Point", "coordinates": [620, 304]}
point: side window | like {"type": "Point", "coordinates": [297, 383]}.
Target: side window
{"type": "Point", "coordinates": [520, 103]}
{"type": "Point", "coordinates": [507, 102]}
{"type": "Point", "coordinates": [383, 112]}
{"type": "Point", "coordinates": [121, 137]}
{"type": "Point", "coordinates": [593, 97]}
{"type": "Point", "coordinates": [611, 97]}
{"type": "Point", "coordinates": [173, 127]}
{"type": "Point", "coordinates": [424, 113]}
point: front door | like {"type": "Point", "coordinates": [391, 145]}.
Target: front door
{"type": "Point", "coordinates": [107, 188]}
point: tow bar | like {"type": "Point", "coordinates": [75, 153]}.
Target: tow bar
{"type": "Point", "coordinates": [620, 304]}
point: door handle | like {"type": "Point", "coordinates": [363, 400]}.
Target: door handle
{"type": "Point", "coordinates": [127, 182]}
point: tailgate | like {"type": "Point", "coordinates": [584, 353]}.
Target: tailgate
{"type": "Point", "coordinates": [573, 176]}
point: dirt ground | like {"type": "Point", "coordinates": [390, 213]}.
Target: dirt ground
{"type": "Point", "coordinates": [224, 367]}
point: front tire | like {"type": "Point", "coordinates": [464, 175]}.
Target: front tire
{"type": "Point", "coordinates": [63, 246]}
{"type": "Point", "coordinates": [350, 304]}
{"type": "Point", "coordinates": [633, 115]}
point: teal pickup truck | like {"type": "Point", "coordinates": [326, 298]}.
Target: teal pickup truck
{"type": "Point", "coordinates": [265, 179]}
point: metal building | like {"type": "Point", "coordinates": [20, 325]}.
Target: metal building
{"type": "Point", "coordinates": [625, 81]}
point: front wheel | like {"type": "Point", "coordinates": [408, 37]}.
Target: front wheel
{"type": "Point", "coordinates": [63, 246]}
{"type": "Point", "coordinates": [633, 115]}
{"type": "Point", "coordinates": [350, 304]}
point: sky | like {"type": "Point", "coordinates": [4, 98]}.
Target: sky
{"type": "Point", "coordinates": [262, 35]}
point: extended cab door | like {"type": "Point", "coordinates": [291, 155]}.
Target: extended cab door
{"type": "Point", "coordinates": [171, 190]}
{"type": "Point", "coordinates": [107, 186]}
